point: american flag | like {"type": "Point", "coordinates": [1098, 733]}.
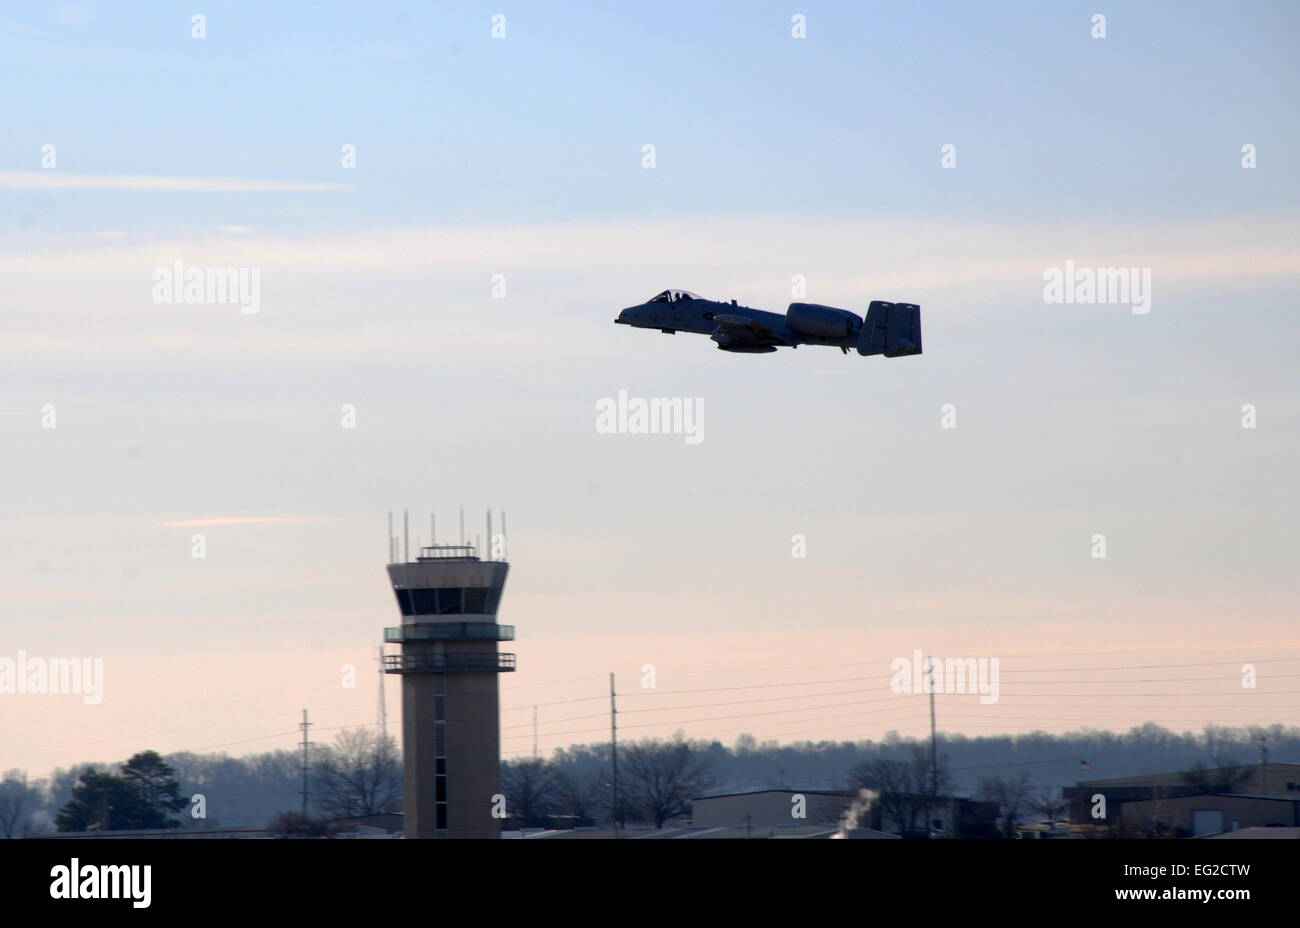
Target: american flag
{"type": "Point", "coordinates": [1085, 765]}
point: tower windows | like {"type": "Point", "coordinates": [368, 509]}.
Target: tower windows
{"type": "Point", "coordinates": [440, 752]}
{"type": "Point", "coordinates": [451, 600]}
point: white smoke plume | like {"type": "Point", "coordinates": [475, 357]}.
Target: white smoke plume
{"type": "Point", "coordinates": [860, 806]}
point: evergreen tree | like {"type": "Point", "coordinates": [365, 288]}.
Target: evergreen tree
{"type": "Point", "coordinates": [142, 797]}
{"type": "Point", "coordinates": [156, 780]}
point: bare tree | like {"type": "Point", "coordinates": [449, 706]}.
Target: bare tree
{"type": "Point", "coordinates": [893, 783]}
{"type": "Point", "coordinates": [662, 776]}
{"type": "Point", "coordinates": [906, 791]}
{"type": "Point", "coordinates": [361, 774]}
{"type": "Point", "coordinates": [529, 788]}
{"type": "Point", "coordinates": [1228, 777]}
{"type": "Point", "coordinates": [1049, 805]}
{"type": "Point", "coordinates": [581, 796]}
{"type": "Point", "coordinates": [1010, 795]}
{"type": "Point", "coordinates": [18, 800]}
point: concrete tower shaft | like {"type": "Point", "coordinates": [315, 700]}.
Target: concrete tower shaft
{"type": "Point", "coordinates": [449, 663]}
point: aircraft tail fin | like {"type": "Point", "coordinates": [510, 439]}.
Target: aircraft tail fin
{"type": "Point", "coordinates": [891, 329]}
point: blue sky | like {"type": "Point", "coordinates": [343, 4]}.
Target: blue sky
{"type": "Point", "coordinates": [547, 124]}
{"type": "Point", "coordinates": [775, 157]}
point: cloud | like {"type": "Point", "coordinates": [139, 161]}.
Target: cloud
{"type": "Point", "coordinates": [241, 520]}
{"type": "Point", "coordinates": [839, 257]}
{"type": "Point", "coordinates": [63, 180]}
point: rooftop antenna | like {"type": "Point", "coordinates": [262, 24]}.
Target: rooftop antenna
{"type": "Point", "coordinates": [462, 525]}
{"type": "Point", "coordinates": [489, 530]}
{"type": "Point", "coordinates": [433, 535]}
{"type": "Point", "coordinates": [390, 537]}
{"type": "Point", "coordinates": [504, 544]}
{"type": "Point", "coordinates": [406, 536]}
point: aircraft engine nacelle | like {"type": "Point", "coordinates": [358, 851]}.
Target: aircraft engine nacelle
{"type": "Point", "coordinates": [822, 321]}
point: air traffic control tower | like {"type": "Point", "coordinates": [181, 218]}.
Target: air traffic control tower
{"type": "Point", "coordinates": [449, 663]}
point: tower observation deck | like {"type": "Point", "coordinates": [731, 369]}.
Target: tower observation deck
{"type": "Point", "coordinates": [449, 661]}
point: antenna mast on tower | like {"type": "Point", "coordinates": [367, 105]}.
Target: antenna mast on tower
{"type": "Point", "coordinates": [383, 702]}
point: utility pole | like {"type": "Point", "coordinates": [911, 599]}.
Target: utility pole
{"type": "Point", "coordinates": [1263, 762]}
{"type": "Point", "coordinates": [534, 731]}
{"type": "Point", "coordinates": [613, 745]}
{"type": "Point", "coordinates": [934, 751]}
{"type": "Point", "coordinates": [305, 743]}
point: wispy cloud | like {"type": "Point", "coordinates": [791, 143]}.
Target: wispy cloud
{"type": "Point", "coordinates": [63, 180]}
{"type": "Point", "coordinates": [241, 520]}
{"type": "Point", "coordinates": [840, 257]}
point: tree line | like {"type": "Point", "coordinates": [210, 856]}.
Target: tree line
{"type": "Point", "coordinates": [360, 774]}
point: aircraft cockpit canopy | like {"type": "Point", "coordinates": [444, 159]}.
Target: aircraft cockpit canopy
{"type": "Point", "coordinates": [674, 296]}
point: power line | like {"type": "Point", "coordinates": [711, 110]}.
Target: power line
{"type": "Point", "coordinates": [716, 718]}
{"type": "Point", "coordinates": [891, 676]}
{"type": "Point", "coordinates": [1001, 671]}
{"type": "Point", "coordinates": [187, 728]}
{"type": "Point", "coordinates": [572, 718]}
{"type": "Point", "coordinates": [520, 686]}
{"type": "Point", "coordinates": [1234, 646]}
{"type": "Point", "coordinates": [897, 696]}
{"type": "Point", "coordinates": [1007, 691]}
{"type": "Point", "coordinates": [560, 702]}
{"type": "Point", "coordinates": [894, 696]}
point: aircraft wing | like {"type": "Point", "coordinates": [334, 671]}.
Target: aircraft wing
{"type": "Point", "coordinates": [743, 332]}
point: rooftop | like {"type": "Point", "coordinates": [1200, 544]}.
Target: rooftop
{"type": "Point", "coordinates": [448, 552]}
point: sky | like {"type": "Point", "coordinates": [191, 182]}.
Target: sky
{"type": "Point", "coordinates": [434, 330]}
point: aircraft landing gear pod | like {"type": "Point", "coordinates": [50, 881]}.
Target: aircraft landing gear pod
{"type": "Point", "coordinates": [891, 329]}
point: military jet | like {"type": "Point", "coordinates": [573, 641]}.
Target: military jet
{"type": "Point", "coordinates": [891, 329]}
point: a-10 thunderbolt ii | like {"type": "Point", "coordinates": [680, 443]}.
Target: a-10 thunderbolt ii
{"type": "Point", "coordinates": [891, 329]}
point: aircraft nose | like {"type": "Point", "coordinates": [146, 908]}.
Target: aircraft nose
{"type": "Point", "coordinates": [627, 316]}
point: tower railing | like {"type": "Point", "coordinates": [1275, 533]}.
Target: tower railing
{"type": "Point", "coordinates": [450, 631]}
{"type": "Point", "coordinates": [442, 552]}
{"type": "Point", "coordinates": [488, 661]}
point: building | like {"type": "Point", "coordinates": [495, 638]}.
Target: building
{"type": "Point", "coordinates": [1209, 814]}
{"type": "Point", "coordinates": [449, 661]}
{"type": "Point", "coordinates": [768, 809]}
{"type": "Point", "coordinates": [697, 832]}
{"type": "Point", "coordinates": [1289, 834]}
{"type": "Point", "coordinates": [974, 818]}
{"type": "Point", "coordinates": [1206, 802]}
